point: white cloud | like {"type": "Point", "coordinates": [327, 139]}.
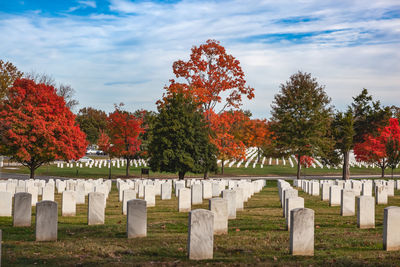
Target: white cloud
{"type": "Point", "coordinates": [111, 58]}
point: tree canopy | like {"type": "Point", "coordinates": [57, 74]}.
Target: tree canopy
{"type": "Point", "coordinates": [301, 117]}
{"type": "Point", "coordinates": [92, 121]}
{"type": "Point", "coordinates": [179, 139]}
{"type": "Point", "coordinates": [38, 127]}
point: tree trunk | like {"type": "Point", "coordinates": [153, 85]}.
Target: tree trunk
{"type": "Point", "coordinates": [181, 175]}
{"type": "Point", "coordinates": [32, 170]}
{"type": "Point", "coordinates": [222, 167]}
{"type": "Point", "coordinates": [392, 173]}
{"type": "Point", "coordinates": [205, 176]}
{"type": "Point", "coordinates": [298, 166]}
{"type": "Point", "coordinates": [127, 167]}
{"type": "Point", "coordinates": [346, 165]}
{"type": "Point", "coordinates": [383, 168]}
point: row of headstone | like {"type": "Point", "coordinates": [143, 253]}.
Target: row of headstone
{"type": "Point", "coordinates": [299, 220]}
{"type": "Point", "coordinates": [102, 163]}
{"type": "Point", "coordinates": [347, 194]}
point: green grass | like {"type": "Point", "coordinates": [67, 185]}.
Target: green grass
{"type": "Point", "coordinates": [271, 170]}
{"type": "Point", "coordinates": [256, 237]}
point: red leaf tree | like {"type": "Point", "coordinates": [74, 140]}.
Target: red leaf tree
{"type": "Point", "coordinates": [208, 74]}
{"type": "Point", "coordinates": [124, 129]}
{"type": "Point", "coordinates": [37, 127]}
{"type": "Point", "coordinates": [381, 149]}
{"type": "Point", "coordinates": [224, 137]}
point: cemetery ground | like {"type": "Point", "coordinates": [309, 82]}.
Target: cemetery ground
{"type": "Point", "coordinates": [267, 170]}
{"type": "Point", "coordinates": [256, 237]}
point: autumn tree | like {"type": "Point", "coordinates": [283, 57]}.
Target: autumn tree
{"type": "Point", "coordinates": [301, 117]}
{"type": "Point", "coordinates": [8, 74]}
{"type": "Point", "coordinates": [38, 126]}
{"type": "Point", "coordinates": [179, 139]}
{"type": "Point", "coordinates": [124, 129]}
{"type": "Point", "coordinates": [372, 150]}
{"type": "Point", "coordinates": [391, 137]}
{"type": "Point", "coordinates": [105, 145]}
{"type": "Point", "coordinates": [64, 90]}
{"type": "Point", "coordinates": [228, 145]}
{"type": "Point", "coordinates": [208, 74]}
{"type": "Point", "coordinates": [212, 78]}
{"type": "Point", "coordinates": [92, 121]}
{"type": "Point", "coordinates": [343, 132]}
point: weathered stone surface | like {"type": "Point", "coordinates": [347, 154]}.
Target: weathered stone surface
{"type": "Point", "coordinates": [216, 190]}
{"type": "Point", "coordinates": [136, 225]}
{"type": "Point", "coordinates": [149, 195]}
{"type": "Point", "coordinates": [239, 199]}
{"type": "Point", "coordinates": [46, 221]}
{"type": "Point", "coordinates": [197, 194]}
{"type": "Point", "coordinates": [334, 195]}
{"type": "Point", "coordinates": [230, 196]}
{"type": "Point", "coordinates": [166, 190]}
{"type": "Point", "coordinates": [381, 194]}
{"type": "Point", "coordinates": [96, 208]}
{"type": "Point", "coordinates": [201, 234]}
{"type": "Point", "coordinates": [365, 212]}
{"type": "Point", "coordinates": [390, 188]}
{"type": "Point", "coordinates": [80, 196]}
{"type": "Point", "coordinates": [22, 209]}
{"type": "Point", "coordinates": [288, 193]}
{"type": "Point", "coordinates": [302, 232]}
{"type": "Point", "coordinates": [184, 200]}
{"type": "Point", "coordinates": [219, 207]}
{"type": "Point", "coordinates": [68, 203]}
{"type": "Point", "coordinates": [325, 192]}
{"type": "Point", "coordinates": [178, 186]}
{"type": "Point", "coordinates": [391, 229]}
{"type": "Point", "coordinates": [207, 190]}
{"type": "Point", "coordinates": [48, 192]}
{"type": "Point", "coordinates": [34, 191]}
{"type": "Point", "coordinates": [128, 194]}
{"type": "Point", "coordinates": [5, 204]}
{"type": "Point", "coordinates": [348, 199]}
{"type": "Point", "coordinates": [315, 188]}
{"type": "Point", "coordinates": [366, 189]}
{"type": "Point", "coordinates": [291, 204]}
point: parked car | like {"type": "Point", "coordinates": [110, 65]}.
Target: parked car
{"type": "Point", "coordinates": [85, 159]}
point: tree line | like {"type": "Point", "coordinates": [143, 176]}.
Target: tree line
{"type": "Point", "coordinates": [198, 120]}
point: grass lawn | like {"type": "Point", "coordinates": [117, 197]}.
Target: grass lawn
{"type": "Point", "coordinates": [268, 170]}
{"type": "Point", "coordinates": [256, 237]}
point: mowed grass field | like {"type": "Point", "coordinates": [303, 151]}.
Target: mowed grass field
{"type": "Point", "coordinates": [267, 170]}
{"type": "Point", "coordinates": [257, 237]}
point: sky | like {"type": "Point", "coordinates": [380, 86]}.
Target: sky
{"type": "Point", "coordinates": [122, 50]}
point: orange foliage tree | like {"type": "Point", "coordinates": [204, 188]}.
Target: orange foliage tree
{"type": "Point", "coordinates": [223, 136]}
{"type": "Point", "coordinates": [123, 129]}
{"type": "Point", "coordinates": [381, 149]}
{"type": "Point", "coordinates": [209, 73]}
{"type": "Point", "coordinates": [37, 127]}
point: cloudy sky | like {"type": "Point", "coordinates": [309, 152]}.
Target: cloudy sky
{"type": "Point", "coordinates": [122, 51]}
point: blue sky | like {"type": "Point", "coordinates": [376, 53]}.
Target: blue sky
{"type": "Point", "coordinates": [122, 51]}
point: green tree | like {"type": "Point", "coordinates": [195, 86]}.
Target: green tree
{"type": "Point", "coordinates": [92, 121]}
{"type": "Point", "coordinates": [393, 153]}
{"type": "Point", "coordinates": [369, 116]}
{"type": "Point", "coordinates": [301, 117]}
{"type": "Point", "coordinates": [179, 139]}
{"type": "Point", "coordinates": [8, 74]}
{"type": "Point", "coordinates": [343, 131]}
